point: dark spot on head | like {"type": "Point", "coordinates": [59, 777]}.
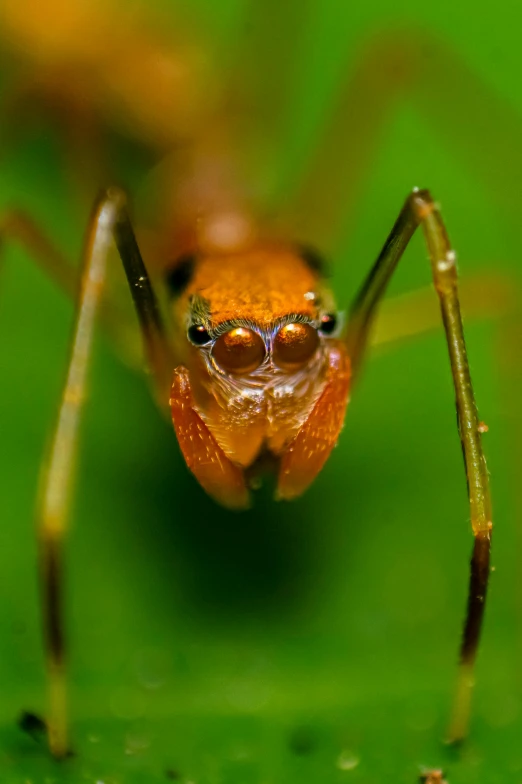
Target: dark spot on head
{"type": "Point", "coordinates": [179, 275]}
{"type": "Point", "coordinates": [33, 725]}
{"type": "Point", "coordinates": [302, 741]}
{"type": "Point", "coordinates": [313, 259]}
{"type": "Point", "coordinates": [172, 774]}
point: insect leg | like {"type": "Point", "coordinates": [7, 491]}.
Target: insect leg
{"type": "Point", "coordinates": [420, 209]}
{"type": "Point", "coordinates": [485, 296]}
{"type": "Point", "coordinates": [19, 227]}
{"type": "Point", "coordinates": [109, 221]}
{"type": "Point", "coordinates": [414, 67]}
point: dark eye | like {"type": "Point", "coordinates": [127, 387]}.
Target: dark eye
{"type": "Point", "coordinates": [294, 344]}
{"type": "Point", "coordinates": [240, 350]}
{"type": "Point", "coordinates": [179, 275]}
{"type": "Point", "coordinates": [198, 335]}
{"type": "Point", "coordinates": [328, 323]}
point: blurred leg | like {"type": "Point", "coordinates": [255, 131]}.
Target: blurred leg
{"type": "Point", "coordinates": [413, 67]}
{"type": "Point", "coordinates": [109, 222]}
{"type": "Point", "coordinates": [19, 227]}
{"type": "Point", "coordinates": [409, 315]}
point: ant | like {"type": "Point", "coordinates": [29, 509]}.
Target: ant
{"type": "Point", "coordinates": [250, 355]}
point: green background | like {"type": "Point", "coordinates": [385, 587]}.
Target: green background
{"type": "Point", "coordinates": [306, 642]}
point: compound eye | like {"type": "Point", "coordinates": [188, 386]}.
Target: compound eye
{"type": "Point", "coordinates": [198, 335]}
{"type": "Point", "coordinates": [240, 350]}
{"type": "Point", "coordinates": [294, 345]}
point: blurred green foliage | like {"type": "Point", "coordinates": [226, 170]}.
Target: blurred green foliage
{"type": "Point", "coordinates": [311, 642]}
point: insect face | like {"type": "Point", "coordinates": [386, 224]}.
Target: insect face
{"type": "Point", "coordinates": [257, 353]}
{"type": "Point", "coordinates": [240, 349]}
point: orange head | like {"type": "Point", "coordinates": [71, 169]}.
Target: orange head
{"type": "Point", "coordinates": [256, 329]}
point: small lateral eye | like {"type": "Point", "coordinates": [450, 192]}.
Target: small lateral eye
{"type": "Point", "coordinates": [198, 335]}
{"type": "Point", "coordinates": [294, 345]}
{"type": "Point", "coordinates": [328, 323]}
{"type": "Point", "coordinates": [240, 350]}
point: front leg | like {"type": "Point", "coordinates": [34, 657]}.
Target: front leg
{"type": "Point", "coordinates": [217, 474]}
{"type": "Point", "coordinates": [109, 222]}
{"type": "Point", "coordinates": [421, 210]}
{"type": "Point", "coordinates": [311, 447]}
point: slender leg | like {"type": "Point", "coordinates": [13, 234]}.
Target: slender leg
{"type": "Point", "coordinates": [488, 296]}
{"type": "Point", "coordinates": [420, 209]}
{"type": "Point", "coordinates": [109, 221]}
{"type": "Point", "coordinates": [403, 66]}
{"type": "Point", "coordinates": [17, 226]}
